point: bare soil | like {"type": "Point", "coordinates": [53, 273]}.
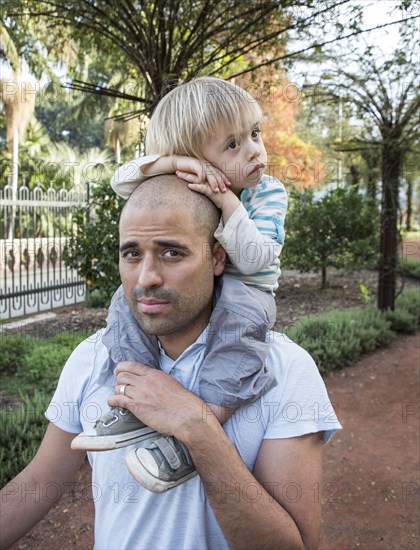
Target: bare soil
{"type": "Point", "coordinates": [370, 492]}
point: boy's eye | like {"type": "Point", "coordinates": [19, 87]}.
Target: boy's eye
{"type": "Point", "coordinates": [255, 132]}
{"type": "Point", "coordinates": [232, 145]}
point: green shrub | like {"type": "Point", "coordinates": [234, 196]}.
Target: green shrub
{"type": "Point", "coordinates": [97, 298]}
{"type": "Point", "coordinates": [38, 364]}
{"type": "Point", "coordinates": [338, 338]}
{"type": "Point", "coordinates": [13, 348]}
{"type": "Point", "coordinates": [93, 251]}
{"type": "Point", "coordinates": [22, 430]}
{"type": "Point", "coordinates": [337, 230]}
{"type": "Point", "coordinates": [406, 316]}
{"type": "Point", "coordinates": [41, 363]}
{"type": "Point", "coordinates": [409, 268]}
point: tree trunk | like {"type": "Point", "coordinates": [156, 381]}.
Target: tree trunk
{"type": "Point", "coordinates": [324, 276]}
{"type": "Point", "coordinates": [371, 190]}
{"type": "Point", "coordinates": [370, 157]}
{"type": "Point", "coordinates": [391, 166]}
{"type": "Point", "coordinates": [354, 176]}
{"type": "Point", "coordinates": [409, 202]}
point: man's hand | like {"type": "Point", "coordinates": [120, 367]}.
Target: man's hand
{"type": "Point", "coordinates": [157, 399]}
{"type": "Point", "coordinates": [193, 170]}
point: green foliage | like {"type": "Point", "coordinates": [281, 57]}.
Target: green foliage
{"type": "Point", "coordinates": [36, 363]}
{"type": "Point", "coordinates": [406, 316]}
{"type": "Point", "coordinates": [364, 297]}
{"type": "Point", "coordinates": [22, 430]}
{"type": "Point", "coordinates": [93, 251]}
{"type": "Point", "coordinates": [338, 338]}
{"type": "Point", "coordinates": [13, 348]}
{"type": "Point", "coordinates": [409, 268]}
{"type": "Point", "coordinates": [339, 230]}
{"type": "Point", "coordinates": [97, 298]}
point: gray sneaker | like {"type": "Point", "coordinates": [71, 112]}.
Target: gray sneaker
{"type": "Point", "coordinates": [117, 428]}
{"type": "Point", "coordinates": [162, 465]}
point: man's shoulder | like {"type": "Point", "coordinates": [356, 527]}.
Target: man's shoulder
{"type": "Point", "coordinates": [88, 354]}
{"type": "Point", "coordinates": [281, 343]}
{"type": "Point", "coordinates": [286, 357]}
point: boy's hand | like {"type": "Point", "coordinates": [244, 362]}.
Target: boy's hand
{"type": "Point", "coordinates": [193, 170]}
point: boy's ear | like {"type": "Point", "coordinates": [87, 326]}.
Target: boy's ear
{"type": "Point", "coordinates": [219, 258]}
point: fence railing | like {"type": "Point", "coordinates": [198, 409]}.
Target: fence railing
{"type": "Point", "coordinates": [35, 226]}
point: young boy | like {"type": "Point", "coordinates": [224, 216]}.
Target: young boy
{"type": "Point", "coordinates": [208, 132]}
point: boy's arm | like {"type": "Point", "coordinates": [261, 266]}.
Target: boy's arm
{"type": "Point", "coordinates": [25, 500]}
{"type": "Point", "coordinates": [131, 174]}
{"type": "Point", "coordinates": [253, 237]}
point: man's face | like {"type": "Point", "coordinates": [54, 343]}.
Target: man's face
{"type": "Point", "coordinates": [166, 273]}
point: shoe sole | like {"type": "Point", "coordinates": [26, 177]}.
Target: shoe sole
{"type": "Point", "coordinates": [110, 442]}
{"type": "Point", "coordinates": [149, 481]}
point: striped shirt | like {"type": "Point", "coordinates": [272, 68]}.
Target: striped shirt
{"type": "Point", "coordinates": [254, 235]}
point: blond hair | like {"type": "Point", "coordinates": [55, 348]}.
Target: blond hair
{"type": "Point", "coordinates": [192, 113]}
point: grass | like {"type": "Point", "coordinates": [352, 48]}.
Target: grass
{"type": "Point", "coordinates": [413, 235]}
{"type": "Point", "coordinates": [409, 268]}
{"type": "Point", "coordinates": [30, 368]}
{"type": "Point", "coordinates": [27, 363]}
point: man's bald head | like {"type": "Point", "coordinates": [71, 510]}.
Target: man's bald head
{"type": "Point", "coordinates": [168, 191]}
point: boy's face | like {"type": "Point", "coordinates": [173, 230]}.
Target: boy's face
{"type": "Point", "coordinates": [241, 158]}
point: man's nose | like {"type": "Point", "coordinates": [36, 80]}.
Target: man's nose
{"type": "Point", "coordinates": [149, 273]}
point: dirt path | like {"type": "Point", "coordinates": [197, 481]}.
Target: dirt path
{"type": "Point", "coordinates": [371, 470]}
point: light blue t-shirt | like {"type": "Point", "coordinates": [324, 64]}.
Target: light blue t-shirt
{"type": "Point", "coordinates": [127, 516]}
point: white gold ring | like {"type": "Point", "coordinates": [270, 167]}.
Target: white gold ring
{"type": "Point", "coordinates": [122, 389]}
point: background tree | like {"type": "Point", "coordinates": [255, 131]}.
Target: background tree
{"type": "Point", "coordinates": [411, 176]}
{"type": "Point", "coordinates": [168, 41]}
{"type": "Point", "coordinates": [293, 160]}
{"type": "Point", "coordinates": [337, 230]}
{"type": "Point", "coordinates": [386, 92]}
{"type": "Point", "coordinates": [18, 99]}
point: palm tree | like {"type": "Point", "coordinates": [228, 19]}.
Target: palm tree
{"type": "Point", "coordinates": [18, 99]}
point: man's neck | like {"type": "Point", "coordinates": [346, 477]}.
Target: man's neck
{"type": "Point", "coordinates": [175, 344]}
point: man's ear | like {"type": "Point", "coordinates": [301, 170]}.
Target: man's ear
{"type": "Point", "coordinates": [219, 258]}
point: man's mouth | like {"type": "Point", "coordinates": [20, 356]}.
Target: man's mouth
{"type": "Point", "coordinates": [151, 305]}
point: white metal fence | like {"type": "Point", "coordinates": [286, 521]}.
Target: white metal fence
{"type": "Point", "coordinates": [35, 227]}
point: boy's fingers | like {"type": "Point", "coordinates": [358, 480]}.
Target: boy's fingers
{"type": "Point", "coordinates": [200, 188]}
{"type": "Point", "coordinates": [187, 176]}
{"type": "Point", "coordinates": [213, 183]}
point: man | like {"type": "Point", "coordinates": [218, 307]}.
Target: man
{"type": "Point", "coordinates": [257, 474]}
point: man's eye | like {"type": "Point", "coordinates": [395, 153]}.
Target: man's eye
{"type": "Point", "coordinates": [130, 254]}
{"type": "Point", "coordinates": [172, 254]}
